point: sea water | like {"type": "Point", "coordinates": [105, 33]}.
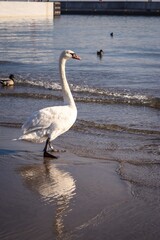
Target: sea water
{"type": "Point", "coordinates": [117, 95]}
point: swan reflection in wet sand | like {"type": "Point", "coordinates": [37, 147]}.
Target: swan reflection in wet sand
{"type": "Point", "coordinates": [54, 185]}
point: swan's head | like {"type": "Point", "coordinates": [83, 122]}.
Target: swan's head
{"type": "Point", "coordinates": [68, 54]}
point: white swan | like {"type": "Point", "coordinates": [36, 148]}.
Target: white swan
{"type": "Point", "coordinates": [48, 123]}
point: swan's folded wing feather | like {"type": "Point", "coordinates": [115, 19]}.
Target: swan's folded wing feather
{"type": "Point", "coordinates": [49, 120]}
{"type": "Point", "coordinates": [39, 120]}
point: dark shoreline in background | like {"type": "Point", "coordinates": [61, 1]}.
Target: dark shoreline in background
{"type": "Point", "coordinates": [111, 8]}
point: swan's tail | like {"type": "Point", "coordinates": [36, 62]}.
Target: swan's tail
{"type": "Point", "coordinates": [30, 138]}
{"type": "Point", "coordinates": [21, 138]}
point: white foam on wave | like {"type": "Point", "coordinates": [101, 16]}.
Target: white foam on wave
{"type": "Point", "coordinates": [80, 89]}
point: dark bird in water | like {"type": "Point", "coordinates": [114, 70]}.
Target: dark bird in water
{"type": "Point", "coordinates": [8, 82]}
{"type": "Point", "coordinates": [111, 34]}
{"type": "Point", "coordinates": [100, 53]}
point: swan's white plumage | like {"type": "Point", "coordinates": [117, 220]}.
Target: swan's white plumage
{"type": "Point", "coordinates": [50, 122]}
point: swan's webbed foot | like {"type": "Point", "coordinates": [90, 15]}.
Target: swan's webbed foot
{"type": "Point", "coordinates": [48, 155]}
{"type": "Point", "coordinates": [45, 153]}
{"type": "Point", "coordinates": [55, 150]}
{"type": "Point", "coordinates": [52, 149]}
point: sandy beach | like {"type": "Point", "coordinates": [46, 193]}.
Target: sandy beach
{"type": "Point", "coordinates": [68, 198]}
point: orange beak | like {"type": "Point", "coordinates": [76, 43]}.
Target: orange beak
{"type": "Point", "coordinates": [75, 56]}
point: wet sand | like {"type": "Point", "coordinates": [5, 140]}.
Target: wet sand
{"type": "Point", "coordinates": [71, 197]}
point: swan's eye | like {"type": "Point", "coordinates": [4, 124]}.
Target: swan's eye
{"type": "Point", "coordinates": [72, 54]}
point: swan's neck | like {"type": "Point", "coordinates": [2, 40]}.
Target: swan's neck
{"type": "Point", "coordinates": [67, 95]}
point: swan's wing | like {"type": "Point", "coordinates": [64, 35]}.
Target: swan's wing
{"type": "Point", "coordinates": [41, 119]}
{"type": "Point", "coordinates": [52, 120]}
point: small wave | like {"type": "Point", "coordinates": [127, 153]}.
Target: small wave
{"type": "Point", "coordinates": [128, 100]}
{"type": "Point", "coordinates": [83, 125]}
{"type": "Point", "coordinates": [3, 62]}
{"type": "Point", "coordinates": [88, 126]}
{"type": "Point", "coordinates": [31, 95]}
{"type": "Point", "coordinates": [140, 174]}
{"type": "Point", "coordinates": [150, 102]}
{"type": "Point", "coordinates": [86, 94]}
{"type": "Point", "coordinates": [10, 124]}
{"type": "Point", "coordinates": [40, 83]}
{"type": "Point", "coordinates": [85, 89]}
{"type": "Point", "coordinates": [115, 97]}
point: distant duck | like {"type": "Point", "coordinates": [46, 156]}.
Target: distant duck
{"type": "Point", "coordinates": [100, 53]}
{"type": "Point", "coordinates": [111, 34]}
{"type": "Point", "coordinates": [8, 82]}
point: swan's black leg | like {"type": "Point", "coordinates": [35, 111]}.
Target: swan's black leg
{"type": "Point", "coordinates": [46, 145]}
{"type": "Point", "coordinates": [45, 153]}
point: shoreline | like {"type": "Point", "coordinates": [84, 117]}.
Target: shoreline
{"type": "Point", "coordinates": [69, 190]}
{"type": "Point", "coordinates": [71, 198]}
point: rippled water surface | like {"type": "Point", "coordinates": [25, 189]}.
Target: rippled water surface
{"type": "Point", "coordinates": [117, 96]}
